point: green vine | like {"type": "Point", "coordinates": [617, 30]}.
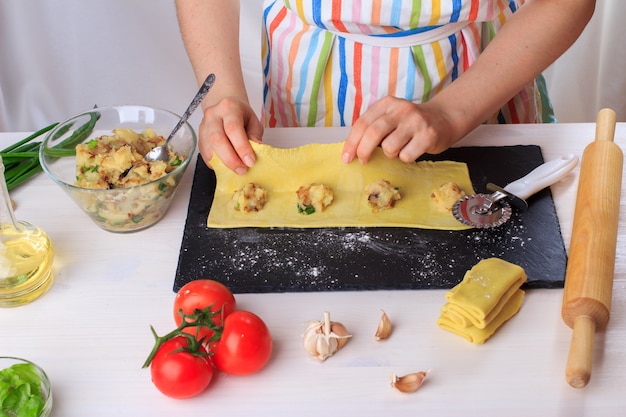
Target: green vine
{"type": "Point", "coordinates": [198, 319]}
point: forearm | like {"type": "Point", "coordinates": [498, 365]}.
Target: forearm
{"type": "Point", "coordinates": [533, 38]}
{"type": "Point", "coordinates": [210, 32]}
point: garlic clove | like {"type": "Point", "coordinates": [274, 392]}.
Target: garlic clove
{"type": "Point", "coordinates": [309, 338]}
{"type": "Point", "coordinates": [410, 382]}
{"type": "Point", "coordinates": [324, 338]}
{"type": "Point", "coordinates": [384, 328]}
{"type": "Point", "coordinates": [326, 347]}
{"type": "Point", "coordinates": [339, 333]}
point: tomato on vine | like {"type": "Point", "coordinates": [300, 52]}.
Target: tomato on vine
{"type": "Point", "coordinates": [180, 371]}
{"type": "Point", "coordinates": [179, 363]}
{"type": "Point", "coordinates": [198, 295]}
{"type": "Point", "coordinates": [210, 333]}
{"type": "Point", "coordinates": [245, 345]}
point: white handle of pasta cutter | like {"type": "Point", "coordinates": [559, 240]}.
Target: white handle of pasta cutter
{"type": "Point", "coordinates": [542, 176]}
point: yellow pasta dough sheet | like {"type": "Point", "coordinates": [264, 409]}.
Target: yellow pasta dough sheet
{"type": "Point", "coordinates": [485, 289]}
{"type": "Point", "coordinates": [477, 335]}
{"type": "Point", "coordinates": [282, 171]}
{"type": "Point", "coordinates": [488, 296]}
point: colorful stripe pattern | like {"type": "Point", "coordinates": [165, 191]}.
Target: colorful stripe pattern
{"type": "Point", "coordinates": [316, 77]}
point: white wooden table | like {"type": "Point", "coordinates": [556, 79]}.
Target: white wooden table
{"type": "Point", "coordinates": [90, 332]}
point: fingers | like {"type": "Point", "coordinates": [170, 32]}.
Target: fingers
{"type": "Point", "coordinates": [254, 129]}
{"type": "Point", "coordinates": [226, 131]}
{"type": "Point", "coordinates": [366, 134]}
{"type": "Point", "coordinates": [402, 129]}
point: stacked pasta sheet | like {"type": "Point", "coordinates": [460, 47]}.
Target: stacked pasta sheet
{"type": "Point", "coordinates": [488, 296]}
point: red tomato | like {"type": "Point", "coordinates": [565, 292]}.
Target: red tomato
{"type": "Point", "coordinates": [245, 346]}
{"type": "Point", "coordinates": [200, 294]}
{"type": "Point", "coordinates": [180, 374]}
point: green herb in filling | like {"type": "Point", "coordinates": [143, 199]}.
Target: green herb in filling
{"type": "Point", "coordinates": [176, 161]}
{"type": "Point", "coordinates": [306, 209]}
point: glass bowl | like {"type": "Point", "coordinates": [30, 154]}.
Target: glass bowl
{"type": "Point", "coordinates": [7, 382]}
{"type": "Point", "coordinates": [117, 209]}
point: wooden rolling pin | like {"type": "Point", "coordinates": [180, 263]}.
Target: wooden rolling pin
{"type": "Point", "coordinates": [591, 262]}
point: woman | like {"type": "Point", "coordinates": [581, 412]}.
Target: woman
{"type": "Point", "coordinates": [408, 76]}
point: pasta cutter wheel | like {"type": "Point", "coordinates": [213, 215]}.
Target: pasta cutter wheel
{"type": "Point", "coordinates": [492, 210]}
{"type": "Point", "coordinates": [481, 211]}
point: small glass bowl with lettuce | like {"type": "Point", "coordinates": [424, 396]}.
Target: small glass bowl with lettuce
{"type": "Point", "coordinates": [25, 389]}
{"type": "Point", "coordinates": [97, 158]}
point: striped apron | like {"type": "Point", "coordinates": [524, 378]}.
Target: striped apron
{"type": "Point", "coordinates": [326, 61]}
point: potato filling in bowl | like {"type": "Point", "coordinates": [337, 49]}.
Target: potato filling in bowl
{"type": "Point", "coordinates": [117, 161]}
{"type": "Point", "coordinates": [97, 158]}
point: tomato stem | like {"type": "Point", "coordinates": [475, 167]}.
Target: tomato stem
{"type": "Point", "coordinates": [199, 318]}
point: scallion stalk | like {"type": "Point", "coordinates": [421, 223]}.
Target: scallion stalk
{"type": "Point", "coordinates": [29, 138]}
{"type": "Point", "coordinates": [21, 160]}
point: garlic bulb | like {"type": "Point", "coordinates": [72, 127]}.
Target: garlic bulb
{"type": "Point", "coordinates": [408, 383]}
{"type": "Point", "coordinates": [323, 339]}
{"type": "Point", "coordinates": [384, 328]}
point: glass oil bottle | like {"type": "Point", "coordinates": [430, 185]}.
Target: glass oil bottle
{"type": "Point", "coordinates": [26, 255]}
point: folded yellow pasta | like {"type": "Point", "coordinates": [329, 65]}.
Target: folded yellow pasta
{"type": "Point", "coordinates": [479, 336]}
{"type": "Point", "coordinates": [282, 171]}
{"type": "Point", "coordinates": [484, 291]}
{"type": "Point", "coordinates": [488, 295]}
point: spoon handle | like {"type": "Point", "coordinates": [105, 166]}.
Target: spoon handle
{"type": "Point", "coordinates": [204, 89]}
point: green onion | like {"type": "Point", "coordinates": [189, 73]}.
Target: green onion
{"type": "Point", "coordinates": [306, 209]}
{"type": "Point", "coordinates": [62, 130]}
{"type": "Point", "coordinates": [21, 160]}
{"type": "Point", "coordinates": [176, 162]}
{"type": "Point", "coordinates": [19, 155]}
{"type": "Point", "coordinates": [68, 146]}
{"type": "Point", "coordinates": [136, 218]}
{"type": "Point", "coordinates": [29, 138]}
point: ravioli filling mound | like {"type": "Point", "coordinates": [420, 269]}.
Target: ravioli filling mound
{"type": "Point", "coordinates": [381, 195]}
{"type": "Point", "coordinates": [314, 198]}
{"type": "Point", "coordinates": [446, 195]}
{"type": "Point", "coordinates": [249, 198]}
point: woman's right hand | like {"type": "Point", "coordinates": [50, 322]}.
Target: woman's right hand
{"type": "Point", "coordinates": [226, 131]}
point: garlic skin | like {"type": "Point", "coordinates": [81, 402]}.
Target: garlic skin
{"type": "Point", "coordinates": [410, 382]}
{"type": "Point", "coordinates": [383, 331]}
{"type": "Point", "coordinates": [323, 339]}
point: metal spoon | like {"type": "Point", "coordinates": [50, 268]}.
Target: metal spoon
{"type": "Point", "coordinates": [161, 153]}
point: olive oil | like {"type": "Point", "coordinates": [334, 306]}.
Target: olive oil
{"type": "Point", "coordinates": [26, 255]}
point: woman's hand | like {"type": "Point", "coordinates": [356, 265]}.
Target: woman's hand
{"type": "Point", "coordinates": [532, 39]}
{"type": "Point", "coordinates": [227, 129]}
{"type": "Point", "coordinates": [403, 130]}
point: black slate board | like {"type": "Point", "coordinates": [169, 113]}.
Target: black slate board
{"type": "Point", "coordinates": [282, 260]}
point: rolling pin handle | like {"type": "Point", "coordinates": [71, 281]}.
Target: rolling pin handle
{"type": "Point", "coordinates": [578, 369]}
{"type": "Point", "coordinates": [605, 124]}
